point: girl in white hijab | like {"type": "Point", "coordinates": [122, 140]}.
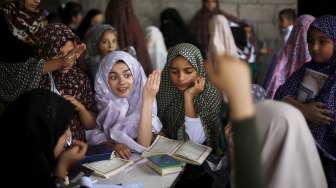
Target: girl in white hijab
{"type": "Point", "coordinates": [221, 38]}
{"type": "Point", "coordinates": [156, 47]}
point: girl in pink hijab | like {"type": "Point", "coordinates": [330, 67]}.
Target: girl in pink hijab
{"type": "Point", "coordinates": [294, 54]}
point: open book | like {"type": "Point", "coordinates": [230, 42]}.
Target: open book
{"type": "Point", "coordinates": [108, 168]}
{"type": "Point", "coordinates": [188, 152]}
{"type": "Point", "coordinates": [311, 85]}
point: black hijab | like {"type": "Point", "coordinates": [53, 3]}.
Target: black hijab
{"type": "Point", "coordinates": [174, 29]}
{"type": "Point", "coordinates": [35, 122]}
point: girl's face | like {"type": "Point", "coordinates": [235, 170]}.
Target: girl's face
{"type": "Point", "coordinates": [321, 47]}
{"type": "Point", "coordinates": [98, 19]}
{"type": "Point", "coordinates": [182, 73]}
{"type": "Point", "coordinates": [59, 148]}
{"type": "Point", "coordinates": [32, 5]}
{"type": "Point", "coordinates": [108, 43]}
{"type": "Point", "coordinates": [248, 31]}
{"type": "Point", "coordinates": [76, 20]}
{"type": "Point", "coordinates": [121, 80]}
{"type": "Point", "coordinates": [284, 22]}
{"type": "Point", "coordinates": [211, 5]}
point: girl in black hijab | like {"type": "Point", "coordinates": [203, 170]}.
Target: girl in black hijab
{"type": "Point", "coordinates": [37, 122]}
{"type": "Point", "coordinates": [174, 29]}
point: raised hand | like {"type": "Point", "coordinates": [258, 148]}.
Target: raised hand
{"type": "Point", "coordinates": [152, 85]}
{"type": "Point", "coordinates": [232, 77]}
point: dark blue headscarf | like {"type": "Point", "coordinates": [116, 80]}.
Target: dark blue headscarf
{"type": "Point", "coordinates": [325, 135]}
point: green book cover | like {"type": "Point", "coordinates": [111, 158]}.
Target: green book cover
{"type": "Point", "coordinates": [165, 161]}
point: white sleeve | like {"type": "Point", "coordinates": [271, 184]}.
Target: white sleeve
{"type": "Point", "coordinates": [194, 129]}
{"type": "Point", "coordinates": [95, 136]}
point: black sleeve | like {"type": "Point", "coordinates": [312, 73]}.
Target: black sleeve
{"type": "Point", "coordinates": [247, 150]}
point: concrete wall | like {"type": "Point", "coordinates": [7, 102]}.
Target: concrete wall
{"type": "Point", "coordinates": [262, 12]}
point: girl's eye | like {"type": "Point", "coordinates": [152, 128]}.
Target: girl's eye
{"type": "Point", "coordinates": [113, 77]}
{"type": "Point", "coordinates": [323, 41]}
{"type": "Point", "coordinates": [127, 75]}
{"type": "Point", "coordinates": [310, 40]}
{"type": "Point", "coordinates": [188, 71]}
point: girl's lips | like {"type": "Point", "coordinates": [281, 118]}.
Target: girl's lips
{"type": "Point", "coordinates": [122, 89]}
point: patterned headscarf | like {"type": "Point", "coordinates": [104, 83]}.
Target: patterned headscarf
{"type": "Point", "coordinates": [170, 100]}
{"type": "Point", "coordinates": [52, 38]}
{"type": "Point", "coordinates": [221, 38]}
{"type": "Point", "coordinates": [325, 135]}
{"type": "Point", "coordinates": [22, 23]}
{"type": "Point", "coordinates": [294, 54]}
{"type": "Point", "coordinates": [119, 117]}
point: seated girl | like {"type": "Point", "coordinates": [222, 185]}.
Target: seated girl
{"type": "Point", "coordinates": [57, 40]}
{"type": "Point", "coordinates": [101, 40]}
{"type": "Point", "coordinates": [316, 99]}
{"type": "Point", "coordinates": [43, 120]}
{"type": "Point", "coordinates": [127, 118]}
{"type": "Point", "coordinates": [189, 105]}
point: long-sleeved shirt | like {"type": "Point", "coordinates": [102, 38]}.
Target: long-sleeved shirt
{"type": "Point", "coordinates": [247, 160]}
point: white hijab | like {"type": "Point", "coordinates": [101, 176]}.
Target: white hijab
{"type": "Point", "coordinates": [221, 38]}
{"type": "Point", "coordinates": [156, 47]}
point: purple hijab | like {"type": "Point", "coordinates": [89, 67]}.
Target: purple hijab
{"type": "Point", "coordinates": [325, 135]}
{"type": "Point", "coordinates": [293, 55]}
{"type": "Point", "coordinates": [118, 118]}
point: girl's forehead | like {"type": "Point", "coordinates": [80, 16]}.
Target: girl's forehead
{"type": "Point", "coordinates": [180, 61]}
{"type": "Point", "coordinates": [120, 65]}
{"type": "Point", "coordinates": [314, 32]}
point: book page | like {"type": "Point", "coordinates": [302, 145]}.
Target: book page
{"type": "Point", "coordinates": [163, 145]}
{"type": "Point", "coordinates": [191, 151]}
{"type": "Point", "coordinates": [107, 166]}
{"type": "Point", "coordinates": [311, 84]}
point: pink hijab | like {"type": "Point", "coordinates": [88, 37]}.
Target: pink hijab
{"type": "Point", "coordinates": [293, 55]}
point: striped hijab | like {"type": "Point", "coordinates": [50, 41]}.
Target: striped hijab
{"type": "Point", "coordinates": [170, 100]}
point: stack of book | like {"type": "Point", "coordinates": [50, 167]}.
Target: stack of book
{"type": "Point", "coordinates": [169, 156]}
{"type": "Point", "coordinates": [164, 164]}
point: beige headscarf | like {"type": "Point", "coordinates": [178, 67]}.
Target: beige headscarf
{"type": "Point", "coordinates": [221, 38]}
{"type": "Point", "coordinates": [289, 155]}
